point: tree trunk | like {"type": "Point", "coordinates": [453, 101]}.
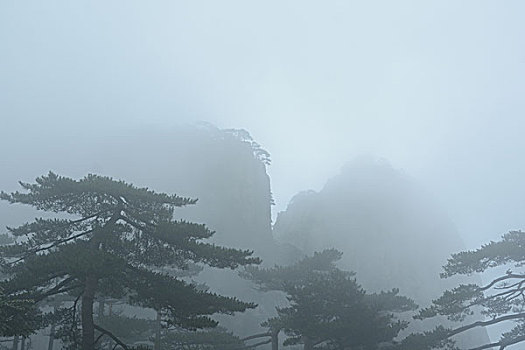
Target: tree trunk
{"type": "Point", "coordinates": [101, 308]}
{"type": "Point", "coordinates": [308, 343]}
{"type": "Point", "coordinates": [23, 345]}
{"type": "Point", "coordinates": [52, 333]}
{"type": "Point", "coordinates": [51, 337]}
{"type": "Point", "coordinates": [275, 340]}
{"type": "Point", "coordinates": [15, 343]}
{"type": "Point", "coordinates": [88, 326]}
{"type": "Point", "coordinates": [157, 332]}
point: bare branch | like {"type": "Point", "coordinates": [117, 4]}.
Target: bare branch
{"type": "Point", "coordinates": [56, 243]}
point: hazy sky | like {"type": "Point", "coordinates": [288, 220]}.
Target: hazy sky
{"type": "Point", "coordinates": [435, 87]}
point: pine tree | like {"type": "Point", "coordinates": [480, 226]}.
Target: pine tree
{"type": "Point", "coordinates": [497, 302]}
{"type": "Point", "coordinates": [18, 315]}
{"type": "Point", "coordinates": [328, 308]}
{"type": "Point", "coordinates": [110, 240]}
{"type": "Point", "coordinates": [214, 339]}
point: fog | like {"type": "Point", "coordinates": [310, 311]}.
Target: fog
{"type": "Point", "coordinates": [434, 89]}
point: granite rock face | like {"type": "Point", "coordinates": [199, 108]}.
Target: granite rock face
{"type": "Point", "coordinates": [391, 233]}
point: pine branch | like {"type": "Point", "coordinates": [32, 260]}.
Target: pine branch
{"type": "Point", "coordinates": [112, 336]}
{"type": "Point", "coordinates": [502, 344]}
{"type": "Point", "coordinates": [54, 244]}
{"type": "Point", "coordinates": [255, 336]}
{"type": "Point", "coordinates": [499, 279]}
{"type": "Point", "coordinates": [260, 343]}
{"type": "Point", "coordinates": [485, 323]}
{"type": "Point", "coordinates": [57, 289]}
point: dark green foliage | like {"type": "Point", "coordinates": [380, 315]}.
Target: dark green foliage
{"type": "Point", "coordinates": [509, 250]}
{"type": "Point", "coordinates": [328, 307]}
{"type": "Point", "coordinates": [333, 308]}
{"type": "Point", "coordinates": [185, 303]}
{"type": "Point", "coordinates": [214, 339]}
{"type": "Point", "coordinates": [5, 239]}
{"type": "Point", "coordinates": [128, 329]}
{"type": "Point", "coordinates": [434, 339]}
{"type": "Point", "coordinates": [116, 239]}
{"type": "Point", "coordinates": [277, 277]}
{"type": "Point", "coordinates": [499, 301]}
{"type": "Point", "coordinates": [18, 315]}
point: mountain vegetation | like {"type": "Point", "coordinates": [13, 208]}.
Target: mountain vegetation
{"type": "Point", "coordinates": [500, 301]}
{"type": "Point", "coordinates": [110, 242]}
{"type": "Point", "coordinates": [328, 308]}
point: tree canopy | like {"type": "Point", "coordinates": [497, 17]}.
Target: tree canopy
{"type": "Point", "coordinates": [110, 240]}
{"type": "Point", "coordinates": [499, 301]}
{"type": "Point", "coordinates": [328, 308]}
{"type": "Point", "coordinates": [18, 316]}
{"type": "Point", "coordinates": [210, 339]}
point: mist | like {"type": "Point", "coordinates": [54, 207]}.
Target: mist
{"type": "Point", "coordinates": [146, 92]}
